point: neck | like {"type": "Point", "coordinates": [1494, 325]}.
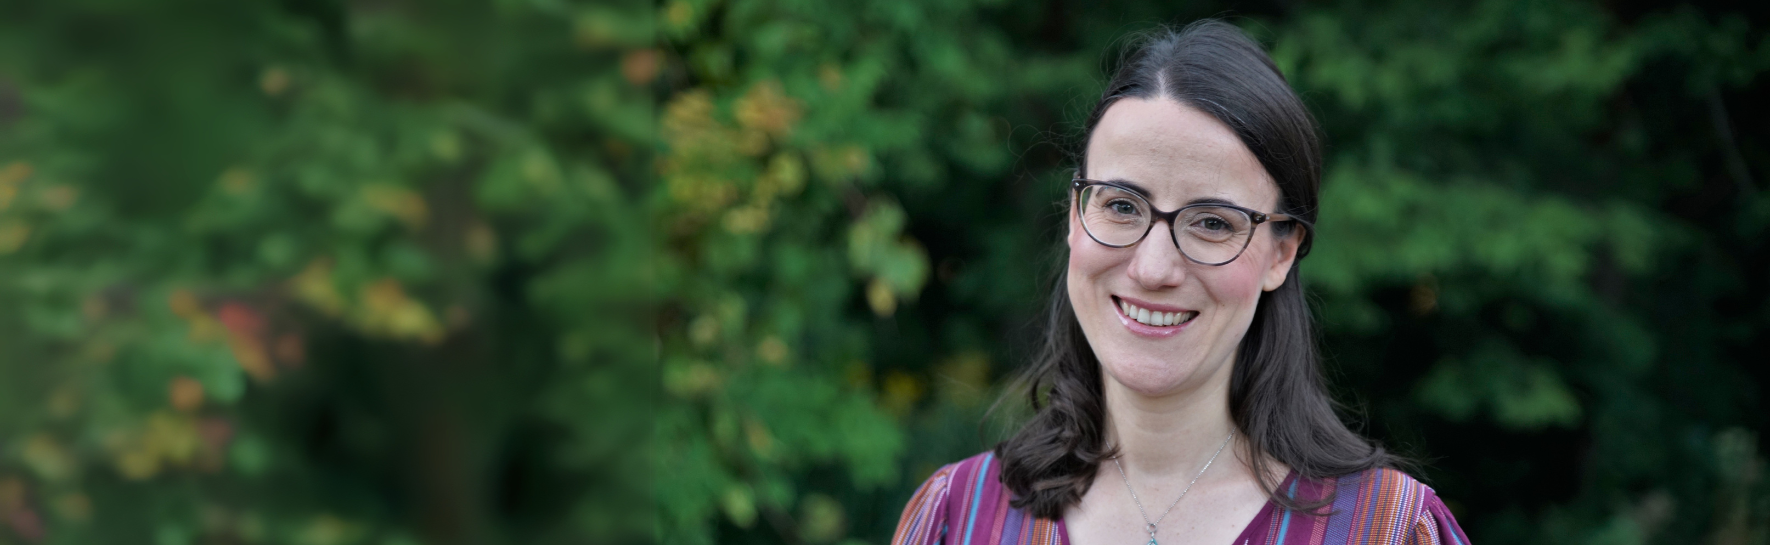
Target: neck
{"type": "Point", "coordinates": [1171, 435]}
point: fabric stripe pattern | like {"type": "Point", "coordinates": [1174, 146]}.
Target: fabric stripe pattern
{"type": "Point", "coordinates": [1377, 506]}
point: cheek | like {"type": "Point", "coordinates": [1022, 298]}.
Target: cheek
{"type": "Point", "coordinates": [1080, 271]}
{"type": "Point", "coordinates": [1086, 257]}
{"type": "Point", "coordinates": [1238, 284]}
{"type": "Point", "coordinates": [1089, 268]}
{"type": "Point", "coordinates": [1082, 252]}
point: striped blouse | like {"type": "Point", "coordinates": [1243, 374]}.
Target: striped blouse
{"type": "Point", "coordinates": [956, 506]}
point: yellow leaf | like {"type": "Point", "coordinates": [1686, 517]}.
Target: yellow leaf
{"type": "Point", "coordinates": [250, 353]}
{"type": "Point", "coordinates": [689, 113]}
{"type": "Point", "coordinates": [880, 297]}
{"type": "Point", "coordinates": [13, 234]}
{"type": "Point", "coordinates": [184, 304]}
{"type": "Point", "coordinates": [740, 505]}
{"type": "Point", "coordinates": [15, 172]}
{"type": "Point", "coordinates": [46, 456]}
{"type": "Point", "coordinates": [704, 330]}
{"type": "Point", "coordinates": [12, 494]}
{"type": "Point", "coordinates": [902, 390]}
{"type": "Point", "coordinates": [329, 530]}
{"type": "Point", "coordinates": [841, 163]}
{"type": "Point", "coordinates": [137, 464]}
{"type": "Point", "coordinates": [402, 203]}
{"type": "Point", "coordinates": [746, 220]}
{"type": "Point", "coordinates": [540, 170]}
{"type": "Point", "coordinates": [205, 329]}
{"type": "Point", "coordinates": [691, 380]}
{"type": "Point", "coordinates": [415, 321]}
{"type": "Point", "coordinates": [768, 109]}
{"type": "Point", "coordinates": [640, 66]}
{"type": "Point", "coordinates": [274, 81]}
{"type": "Point", "coordinates": [760, 440]}
{"type": "Point", "coordinates": [446, 145]}
{"type": "Point", "coordinates": [785, 176]}
{"type": "Point", "coordinates": [314, 286]}
{"type": "Point", "coordinates": [679, 13]}
{"type": "Point", "coordinates": [830, 76]}
{"type": "Point", "coordinates": [59, 197]}
{"type": "Point", "coordinates": [772, 350]}
{"type": "Point", "coordinates": [820, 519]}
{"type": "Point", "coordinates": [236, 180]}
{"type": "Point", "coordinates": [172, 437]}
{"type": "Point", "coordinates": [185, 393]}
{"type": "Point", "coordinates": [387, 311]}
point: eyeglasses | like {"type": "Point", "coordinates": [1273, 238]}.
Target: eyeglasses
{"type": "Point", "coordinates": [1206, 233]}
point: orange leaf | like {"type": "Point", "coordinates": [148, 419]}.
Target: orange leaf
{"type": "Point", "coordinates": [186, 393]}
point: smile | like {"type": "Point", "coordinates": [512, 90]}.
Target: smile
{"type": "Point", "coordinates": [1152, 320]}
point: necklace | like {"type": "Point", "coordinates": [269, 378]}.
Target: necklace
{"type": "Point", "coordinates": [1150, 526]}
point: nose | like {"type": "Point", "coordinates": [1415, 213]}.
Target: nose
{"type": "Point", "coordinates": [1156, 262]}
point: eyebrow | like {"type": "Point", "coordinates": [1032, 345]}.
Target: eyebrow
{"type": "Point", "coordinates": [1133, 186]}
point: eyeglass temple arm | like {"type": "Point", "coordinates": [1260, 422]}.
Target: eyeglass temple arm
{"type": "Point", "coordinates": [1275, 218]}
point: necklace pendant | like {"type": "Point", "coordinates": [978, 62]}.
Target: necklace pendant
{"type": "Point", "coordinates": [1151, 541]}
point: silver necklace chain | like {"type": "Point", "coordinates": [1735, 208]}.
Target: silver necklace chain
{"type": "Point", "coordinates": [1150, 526]}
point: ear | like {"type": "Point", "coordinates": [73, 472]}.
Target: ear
{"type": "Point", "coordinates": [1284, 253]}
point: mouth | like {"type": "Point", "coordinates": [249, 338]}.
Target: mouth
{"type": "Point", "coordinates": [1152, 320]}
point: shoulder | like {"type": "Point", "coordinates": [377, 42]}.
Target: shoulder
{"type": "Point", "coordinates": [965, 502]}
{"type": "Point", "coordinates": [1385, 489]}
{"type": "Point", "coordinates": [925, 517]}
{"type": "Point", "coordinates": [1384, 505]}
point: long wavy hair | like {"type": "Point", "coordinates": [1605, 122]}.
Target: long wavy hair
{"type": "Point", "coordinates": [1277, 397]}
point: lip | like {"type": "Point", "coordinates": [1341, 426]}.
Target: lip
{"type": "Point", "coordinates": [1145, 330]}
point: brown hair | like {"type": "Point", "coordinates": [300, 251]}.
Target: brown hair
{"type": "Point", "coordinates": [1277, 397]}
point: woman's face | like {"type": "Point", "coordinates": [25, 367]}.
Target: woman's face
{"type": "Point", "coordinates": [1178, 155]}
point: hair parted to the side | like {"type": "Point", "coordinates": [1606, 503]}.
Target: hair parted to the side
{"type": "Point", "coordinates": [1277, 396]}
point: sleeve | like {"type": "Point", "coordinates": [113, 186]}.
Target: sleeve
{"type": "Point", "coordinates": [924, 518]}
{"type": "Point", "coordinates": [1436, 526]}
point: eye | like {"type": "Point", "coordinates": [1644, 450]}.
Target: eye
{"type": "Point", "coordinates": [1122, 207]}
{"type": "Point", "coordinates": [1212, 224]}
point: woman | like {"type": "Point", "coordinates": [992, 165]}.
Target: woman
{"type": "Point", "coordinates": [1179, 372]}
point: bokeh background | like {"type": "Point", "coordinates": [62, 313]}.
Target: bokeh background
{"type": "Point", "coordinates": [746, 271]}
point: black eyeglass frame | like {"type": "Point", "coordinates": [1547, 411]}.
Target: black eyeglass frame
{"type": "Point", "coordinates": [1077, 184]}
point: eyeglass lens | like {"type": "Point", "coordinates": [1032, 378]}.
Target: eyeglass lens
{"type": "Point", "coordinates": [1207, 234]}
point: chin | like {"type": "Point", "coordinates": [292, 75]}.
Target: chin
{"type": "Point", "coordinates": [1148, 374]}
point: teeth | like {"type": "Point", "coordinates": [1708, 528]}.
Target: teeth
{"type": "Point", "coordinates": [1158, 319]}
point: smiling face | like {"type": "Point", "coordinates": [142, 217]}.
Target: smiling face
{"type": "Point", "coordinates": [1179, 155]}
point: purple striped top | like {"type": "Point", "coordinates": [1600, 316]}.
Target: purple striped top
{"type": "Point", "coordinates": [965, 503]}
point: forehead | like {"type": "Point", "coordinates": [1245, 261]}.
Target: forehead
{"type": "Point", "coordinates": [1178, 153]}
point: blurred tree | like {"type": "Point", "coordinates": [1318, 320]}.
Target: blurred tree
{"type": "Point", "coordinates": [322, 273]}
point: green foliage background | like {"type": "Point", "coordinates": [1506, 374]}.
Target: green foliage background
{"type": "Point", "coordinates": [542, 271]}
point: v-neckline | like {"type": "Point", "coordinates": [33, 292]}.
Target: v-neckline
{"type": "Point", "coordinates": [1248, 533]}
